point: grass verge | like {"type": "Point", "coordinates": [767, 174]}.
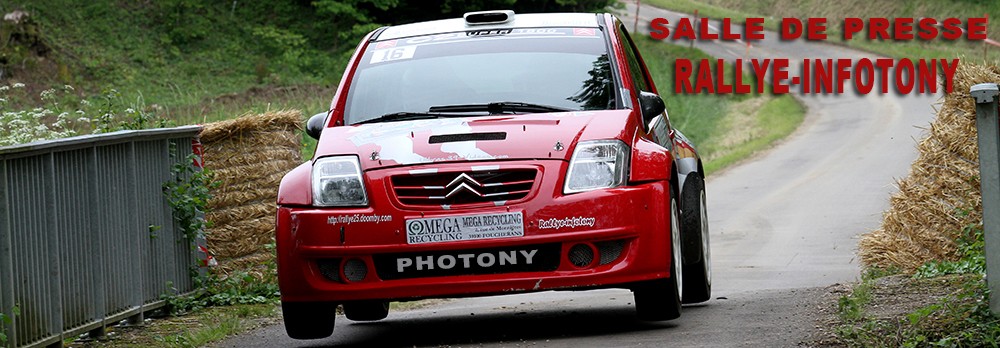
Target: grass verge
{"type": "Point", "coordinates": [944, 304]}
{"type": "Point", "coordinates": [205, 326]}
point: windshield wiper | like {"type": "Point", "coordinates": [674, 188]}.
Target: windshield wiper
{"type": "Point", "coordinates": [498, 108]}
{"type": "Point", "coordinates": [403, 116]}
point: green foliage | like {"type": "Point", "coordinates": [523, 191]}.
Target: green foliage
{"type": "Point", "coordinates": [6, 319]}
{"type": "Point", "coordinates": [64, 113]}
{"type": "Point", "coordinates": [877, 272]}
{"type": "Point", "coordinates": [972, 256]}
{"type": "Point", "coordinates": [959, 320]}
{"type": "Point", "coordinates": [851, 307]}
{"type": "Point", "coordinates": [962, 319]}
{"type": "Point", "coordinates": [241, 288]}
{"type": "Point", "coordinates": [188, 194]}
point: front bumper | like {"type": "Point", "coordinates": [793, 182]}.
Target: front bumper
{"type": "Point", "coordinates": [363, 253]}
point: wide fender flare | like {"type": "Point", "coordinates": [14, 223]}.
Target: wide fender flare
{"type": "Point", "coordinates": [650, 162]}
{"type": "Point", "coordinates": [686, 166]}
{"type": "Point", "coordinates": [296, 186]}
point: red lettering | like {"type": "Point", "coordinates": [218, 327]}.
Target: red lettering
{"type": "Point", "coordinates": [703, 31]}
{"type": "Point", "coordinates": [864, 76]}
{"type": "Point", "coordinates": [727, 33]}
{"type": "Point", "coordinates": [878, 28]}
{"type": "Point", "coordinates": [684, 30]}
{"type": "Point", "coordinates": [977, 28]}
{"type": "Point", "coordinates": [780, 76]}
{"type": "Point", "coordinates": [720, 74]}
{"type": "Point", "coordinates": [952, 28]}
{"type": "Point", "coordinates": [927, 29]}
{"type": "Point", "coordinates": [884, 64]}
{"type": "Point", "coordinates": [791, 28]}
{"type": "Point", "coordinates": [904, 86]}
{"type": "Point", "coordinates": [843, 73]}
{"type": "Point", "coordinates": [759, 71]}
{"type": "Point", "coordinates": [903, 28]}
{"type": "Point", "coordinates": [806, 87]}
{"type": "Point", "coordinates": [754, 29]}
{"type": "Point", "coordinates": [823, 81]}
{"type": "Point", "coordinates": [682, 75]}
{"type": "Point", "coordinates": [948, 70]}
{"type": "Point", "coordinates": [658, 28]}
{"type": "Point", "coordinates": [852, 26]}
{"type": "Point", "coordinates": [926, 76]}
{"type": "Point", "coordinates": [816, 29]}
{"type": "Point", "coordinates": [704, 82]}
{"type": "Point", "coordinates": [741, 87]}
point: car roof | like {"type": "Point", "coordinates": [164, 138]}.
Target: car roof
{"type": "Point", "coordinates": [528, 20]}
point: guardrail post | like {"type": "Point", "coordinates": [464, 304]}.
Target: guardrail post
{"type": "Point", "coordinates": [988, 128]}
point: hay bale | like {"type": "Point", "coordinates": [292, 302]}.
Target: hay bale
{"type": "Point", "coordinates": [248, 156]}
{"type": "Point", "coordinates": [940, 196]}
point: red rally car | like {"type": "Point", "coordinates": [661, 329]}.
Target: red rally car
{"type": "Point", "coordinates": [492, 154]}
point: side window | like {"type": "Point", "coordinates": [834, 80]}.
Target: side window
{"type": "Point", "coordinates": [636, 68]}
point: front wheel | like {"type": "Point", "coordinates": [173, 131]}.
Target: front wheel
{"type": "Point", "coordinates": [660, 299]}
{"type": "Point", "coordinates": [309, 320]}
{"type": "Point", "coordinates": [697, 254]}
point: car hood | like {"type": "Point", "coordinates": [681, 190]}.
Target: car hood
{"type": "Point", "coordinates": [483, 138]}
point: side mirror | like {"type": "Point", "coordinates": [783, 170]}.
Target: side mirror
{"type": "Point", "coordinates": [315, 125]}
{"type": "Point", "coordinates": [651, 105]}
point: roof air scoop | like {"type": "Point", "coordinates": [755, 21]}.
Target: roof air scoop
{"type": "Point", "coordinates": [488, 17]}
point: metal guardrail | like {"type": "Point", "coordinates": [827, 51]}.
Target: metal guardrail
{"type": "Point", "coordinates": [988, 130]}
{"type": "Point", "coordinates": [87, 238]}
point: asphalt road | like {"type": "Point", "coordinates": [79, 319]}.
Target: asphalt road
{"type": "Point", "coordinates": [785, 224]}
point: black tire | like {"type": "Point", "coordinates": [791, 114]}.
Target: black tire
{"type": "Point", "coordinates": [694, 230]}
{"type": "Point", "coordinates": [660, 299]}
{"type": "Point", "coordinates": [366, 310]}
{"type": "Point", "coordinates": [309, 320]}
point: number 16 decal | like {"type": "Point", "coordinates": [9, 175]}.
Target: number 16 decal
{"type": "Point", "coordinates": [390, 54]}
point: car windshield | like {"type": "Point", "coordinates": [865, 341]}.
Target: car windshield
{"type": "Point", "coordinates": [562, 68]}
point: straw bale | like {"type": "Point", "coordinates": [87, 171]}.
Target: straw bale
{"type": "Point", "coordinates": [288, 120]}
{"type": "Point", "coordinates": [241, 238]}
{"type": "Point", "coordinates": [248, 157]}
{"type": "Point", "coordinates": [941, 194]}
{"type": "Point", "coordinates": [256, 265]}
{"type": "Point", "coordinates": [230, 215]}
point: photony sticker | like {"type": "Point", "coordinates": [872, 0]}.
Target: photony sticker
{"type": "Point", "coordinates": [358, 218]}
{"type": "Point", "coordinates": [569, 222]}
{"type": "Point", "coordinates": [466, 261]}
{"type": "Point", "coordinates": [465, 227]}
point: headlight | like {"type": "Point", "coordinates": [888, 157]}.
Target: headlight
{"type": "Point", "coordinates": [597, 164]}
{"type": "Point", "coordinates": [336, 181]}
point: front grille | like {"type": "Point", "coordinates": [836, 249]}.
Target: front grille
{"type": "Point", "coordinates": [463, 187]}
{"type": "Point", "coordinates": [532, 258]}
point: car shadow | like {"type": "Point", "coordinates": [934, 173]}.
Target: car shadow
{"type": "Point", "coordinates": [502, 327]}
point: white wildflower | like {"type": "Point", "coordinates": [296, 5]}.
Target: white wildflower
{"type": "Point", "coordinates": [130, 111]}
{"type": "Point", "coordinates": [83, 119]}
{"type": "Point", "coordinates": [18, 85]}
{"type": "Point", "coordinates": [68, 88]}
{"type": "Point", "coordinates": [4, 88]}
